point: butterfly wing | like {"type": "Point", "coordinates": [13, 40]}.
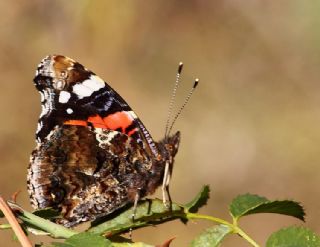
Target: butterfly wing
{"type": "Point", "coordinates": [86, 174]}
{"type": "Point", "coordinates": [93, 154]}
{"type": "Point", "coordinates": [73, 95]}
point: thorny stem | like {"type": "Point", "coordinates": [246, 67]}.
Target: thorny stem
{"type": "Point", "coordinates": [58, 231]}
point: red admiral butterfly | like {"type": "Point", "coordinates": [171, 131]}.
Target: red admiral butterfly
{"type": "Point", "coordinates": [93, 153]}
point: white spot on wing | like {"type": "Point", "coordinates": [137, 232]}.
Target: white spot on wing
{"type": "Point", "coordinates": [64, 97]}
{"type": "Point", "coordinates": [87, 87]}
{"type": "Point", "coordinates": [69, 111]}
{"type": "Point", "coordinates": [82, 91]}
{"type": "Point", "coordinates": [94, 82]}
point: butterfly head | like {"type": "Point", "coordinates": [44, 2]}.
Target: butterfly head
{"type": "Point", "coordinates": [171, 144]}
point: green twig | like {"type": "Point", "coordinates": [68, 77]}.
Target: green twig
{"type": "Point", "coordinates": [234, 228]}
{"type": "Point", "coordinates": [245, 236]}
{"type": "Point", "coordinates": [148, 213]}
{"type": "Point", "coordinates": [55, 230]}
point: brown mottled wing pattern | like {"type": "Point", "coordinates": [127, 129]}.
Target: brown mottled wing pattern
{"type": "Point", "coordinates": [85, 173]}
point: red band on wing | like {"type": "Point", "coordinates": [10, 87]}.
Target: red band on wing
{"type": "Point", "coordinates": [76, 122]}
{"type": "Point", "coordinates": [131, 132]}
{"type": "Point", "coordinates": [97, 122]}
{"type": "Point", "coordinates": [118, 120]}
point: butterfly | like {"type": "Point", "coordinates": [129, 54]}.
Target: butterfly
{"type": "Point", "coordinates": [93, 154]}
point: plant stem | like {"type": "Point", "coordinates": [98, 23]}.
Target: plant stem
{"type": "Point", "coordinates": [234, 228]}
{"type": "Point", "coordinates": [25, 242]}
{"type": "Point", "coordinates": [245, 236]}
{"type": "Point", "coordinates": [211, 218]}
{"type": "Point", "coordinates": [55, 230]}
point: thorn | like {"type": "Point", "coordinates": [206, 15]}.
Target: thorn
{"type": "Point", "coordinates": [15, 195]}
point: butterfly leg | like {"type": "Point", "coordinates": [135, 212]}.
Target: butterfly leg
{"type": "Point", "coordinates": [134, 211]}
{"type": "Point", "coordinates": [135, 204]}
{"type": "Point", "coordinates": [166, 198]}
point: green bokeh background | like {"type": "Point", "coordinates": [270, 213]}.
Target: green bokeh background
{"type": "Point", "coordinates": [251, 126]}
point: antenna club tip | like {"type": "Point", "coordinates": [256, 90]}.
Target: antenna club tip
{"type": "Point", "coordinates": [196, 82]}
{"type": "Point", "coordinates": [180, 67]}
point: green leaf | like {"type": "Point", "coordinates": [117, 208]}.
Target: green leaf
{"type": "Point", "coordinates": [148, 212]}
{"type": "Point", "coordinates": [85, 239]}
{"type": "Point", "coordinates": [242, 204]}
{"type": "Point", "coordinates": [47, 213]}
{"type": "Point", "coordinates": [199, 201]}
{"type": "Point", "coordinates": [252, 204]}
{"type": "Point", "coordinates": [211, 237]}
{"type": "Point", "coordinates": [294, 237]}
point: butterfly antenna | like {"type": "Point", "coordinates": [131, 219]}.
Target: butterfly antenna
{"type": "Point", "coordinates": [196, 82]}
{"type": "Point", "coordinates": [176, 85]}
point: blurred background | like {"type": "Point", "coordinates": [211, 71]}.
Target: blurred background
{"type": "Point", "coordinates": [251, 126]}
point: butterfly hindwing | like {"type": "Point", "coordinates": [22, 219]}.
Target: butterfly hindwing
{"type": "Point", "coordinates": [82, 173]}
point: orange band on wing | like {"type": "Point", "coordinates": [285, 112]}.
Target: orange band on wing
{"type": "Point", "coordinates": [97, 122]}
{"type": "Point", "coordinates": [131, 132]}
{"type": "Point", "coordinates": [76, 122]}
{"type": "Point", "coordinates": [118, 120]}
